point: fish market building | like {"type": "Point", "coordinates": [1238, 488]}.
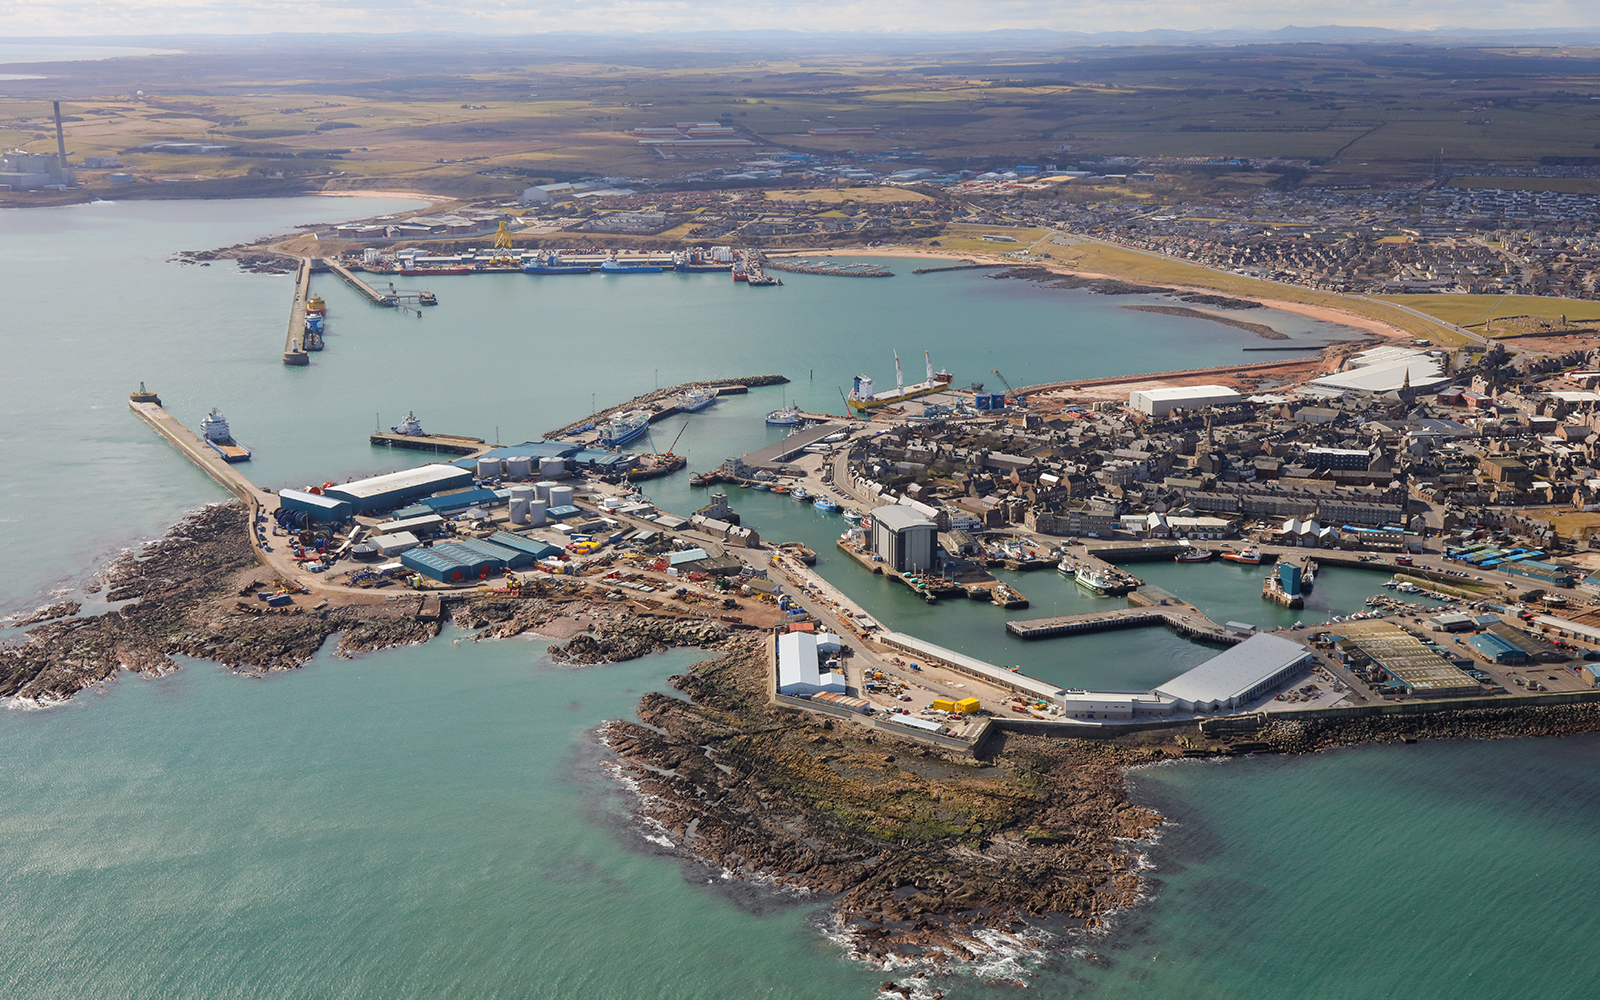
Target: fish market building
{"type": "Point", "coordinates": [1239, 676]}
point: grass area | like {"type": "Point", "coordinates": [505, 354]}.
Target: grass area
{"type": "Point", "coordinates": [969, 238]}
{"type": "Point", "coordinates": [1136, 266]}
{"type": "Point", "coordinates": [1475, 310]}
{"type": "Point", "coordinates": [1576, 523]}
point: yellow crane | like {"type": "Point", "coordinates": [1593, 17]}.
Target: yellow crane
{"type": "Point", "coordinates": [502, 246]}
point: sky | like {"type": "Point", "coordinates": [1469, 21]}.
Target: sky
{"type": "Point", "coordinates": [28, 18]}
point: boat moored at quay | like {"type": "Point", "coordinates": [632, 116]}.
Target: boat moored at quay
{"type": "Point", "coordinates": [623, 427]}
{"type": "Point", "coordinates": [862, 398]}
{"type": "Point", "coordinates": [215, 433]}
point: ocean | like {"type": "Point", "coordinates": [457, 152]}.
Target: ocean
{"type": "Point", "coordinates": [436, 821]}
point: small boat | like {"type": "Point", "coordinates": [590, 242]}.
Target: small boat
{"type": "Point", "coordinates": [825, 505]}
{"type": "Point", "coordinates": [763, 487]}
{"type": "Point", "coordinates": [799, 495]}
{"type": "Point", "coordinates": [214, 431]}
{"type": "Point", "coordinates": [852, 517]}
{"type": "Point", "coordinates": [789, 416]}
{"type": "Point", "coordinates": [1251, 556]}
{"type": "Point", "coordinates": [1191, 555]}
{"type": "Point", "coordinates": [780, 489]}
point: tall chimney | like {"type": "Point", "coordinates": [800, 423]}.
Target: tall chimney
{"type": "Point", "coordinates": [61, 139]}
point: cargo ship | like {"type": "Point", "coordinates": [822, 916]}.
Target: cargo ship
{"type": "Point", "coordinates": [612, 266]}
{"type": "Point", "coordinates": [862, 397]}
{"type": "Point", "coordinates": [697, 399]}
{"type": "Point", "coordinates": [551, 264]}
{"type": "Point", "coordinates": [214, 432]}
{"type": "Point", "coordinates": [414, 271]}
{"type": "Point", "coordinates": [624, 427]}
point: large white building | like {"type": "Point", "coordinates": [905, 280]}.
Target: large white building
{"type": "Point", "coordinates": [1161, 402]}
{"type": "Point", "coordinates": [1238, 676]}
{"type": "Point", "coordinates": [903, 538]}
{"type": "Point", "coordinates": [800, 668]}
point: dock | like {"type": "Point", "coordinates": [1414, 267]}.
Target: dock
{"type": "Point", "coordinates": [294, 352]}
{"type": "Point", "coordinates": [447, 444]}
{"type": "Point", "coordinates": [371, 294]}
{"type": "Point", "coordinates": [775, 455]}
{"type": "Point", "coordinates": [1164, 609]}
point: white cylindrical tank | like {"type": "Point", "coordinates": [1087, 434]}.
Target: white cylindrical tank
{"type": "Point", "coordinates": [542, 490]}
{"type": "Point", "coordinates": [552, 468]}
{"type": "Point", "coordinates": [488, 468]}
{"type": "Point", "coordinates": [524, 492]}
{"type": "Point", "coordinates": [519, 510]}
{"type": "Point", "coordinates": [519, 467]}
{"type": "Point", "coordinates": [536, 510]}
{"type": "Point", "coordinates": [560, 496]}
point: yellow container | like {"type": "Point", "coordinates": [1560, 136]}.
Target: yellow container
{"type": "Point", "coordinates": [966, 706]}
{"type": "Point", "coordinates": [944, 705]}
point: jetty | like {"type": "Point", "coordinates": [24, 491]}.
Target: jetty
{"type": "Point", "coordinates": [200, 453]}
{"type": "Point", "coordinates": [1163, 609]}
{"type": "Point", "coordinates": [659, 401]}
{"type": "Point", "coordinates": [371, 294]}
{"type": "Point", "coordinates": [294, 351]}
{"type": "Point", "coordinates": [445, 444]}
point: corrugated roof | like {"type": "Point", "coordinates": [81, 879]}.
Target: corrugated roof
{"type": "Point", "coordinates": [1230, 674]}
{"type": "Point", "coordinates": [423, 475]}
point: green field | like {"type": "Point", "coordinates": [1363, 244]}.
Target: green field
{"type": "Point", "coordinates": [1475, 310]}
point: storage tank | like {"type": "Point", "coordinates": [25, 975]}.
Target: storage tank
{"type": "Point", "coordinates": [519, 467]}
{"type": "Point", "coordinates": [536, 509]}
{"type": "Point", "coordinates": [552, 468]}
{"type": "Point", "coordinates": [560, 496]}
{"type": "Point", "coordinates": [488, 468]}
{"type": "Point", "coordinates": [519, 511]}
{"type": "Point", "coordinates": [542, 490]}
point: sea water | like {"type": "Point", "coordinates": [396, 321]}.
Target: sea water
{"type": "Point", "coordinates": [434, 821]}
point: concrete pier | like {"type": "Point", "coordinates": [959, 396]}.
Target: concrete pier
{"type": "Point", "coordinates": [371, 294]}
{"type": "Point", "coordinates": [201, 454]}
{"type": "Point", "coordinates": [448, 444]}
{"type": "Point", "coordinates": [294, 351]}
{"type": "Point", "coordinates": [1182, 617]}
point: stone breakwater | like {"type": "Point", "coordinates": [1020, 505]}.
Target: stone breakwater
{"type": "Point", "coordinates": [1310, 735]}
{"type": "Point", "coordinates": [922, 852]}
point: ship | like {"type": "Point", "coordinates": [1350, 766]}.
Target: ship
{"type": "Point", "coordinates": [551, 264]}
{"type": "Point", "coordinates": [311, 340]}
{"type": "Point", "coordinates": [825, 505]}
{"type": "Point", "coordinates": [800, 495]}
{"type": "Point", "coordinates": [410, 426]}
{"type": "Point", "coordinates": [1093, 579]}
{"type": "Point", "coordinates": [1192, 555]}
{"type": "Point", "coordinates": [1251, 556]}
{"type": "Point", "coordinates": [697, 399]}
{"type": "Point", "coordinates": [789, 416]}
{"type": "Point", "coordinates": [739, 273]}
{"type": "Point", "coordinates": [862, 397]}
{"type": "Point", "coordinates": [411, 270]}
{"type": "Point", "coordinates": [624, 427]}
{"type": "Point", "coordinates": [613, 267]}
{"type": "Point", "coordinates": [1308, 576]}
{"type": "Point", "coordinates": [697, 260]}
{"type": "Point", "coordinates": [214, 432]}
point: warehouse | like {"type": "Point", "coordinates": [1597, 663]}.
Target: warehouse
{"type": "Point", "coordinates": [1412, 665]}
{"type": "Point", "coordinates": [1495, 649]}
{"type": "Point", "coordinates": [399, 488]}
{"type": "Point", "coordinates": [1161, 402]}
{"type": "Point", "coordinates": [321, 509]}
{"type": "Point", "coordinates": [509, 558]}
{"type": "Point", "coordinates": [535, 548]}
{"type": "Point", "coordinates": [1239, 676]}
{"type": "Point", "coordinates": [800, 671]}
{"type": "Point", "coordinates": [437, 565]}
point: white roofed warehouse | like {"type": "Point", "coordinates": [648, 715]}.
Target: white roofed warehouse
{"type": "Point", "coordinates": [1239, 676]}
{"type": "Point", "coordinates": [1161, 402]}
{"type": "Point", "coordinates": [399, 488]}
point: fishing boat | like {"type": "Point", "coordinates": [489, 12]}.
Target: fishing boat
{"type": "Point", "coordinates": [862, 398]}
{"type": "Point", "coordinates": [789, 416]}
{"type": "Point", "coordinates": [1251, 556]}
{"type": "Point", "coordinates": [624, 427]}
{"type": "Point", "coordinates": [763, 487]}
{"type": "Point", "coordinates": [1093, 579]}
{"type": "Point", "coordinates": [613, 266]}
{"type": "Point", "coordinates": [825, 505]}
{"type": "Point", "coordinates": [214, 431]}
{"type": "Point", "coordinates": [852, 517]}
{"type": "Point", "coordinates": [551, 264]}
{"type": "Point", "coordinates": [1193, 555]}
{"type": "Point", "coordinates": [799, 495]}
{"type": "Point", "coordinates": [696, 399]}
{"type": "Point", "coordinates": [1308, 578]}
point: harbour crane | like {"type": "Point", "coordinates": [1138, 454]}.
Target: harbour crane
{"type": "Point", "coordinates": [1009, 387]}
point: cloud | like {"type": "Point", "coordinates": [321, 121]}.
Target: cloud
{"type": "Point", "coordinates": [24, 18]}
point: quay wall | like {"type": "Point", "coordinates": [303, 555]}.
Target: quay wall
{"type": "Point", "coordinates": [658, 395]}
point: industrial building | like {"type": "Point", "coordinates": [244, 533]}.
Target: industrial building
{"type": "Point", "coordinates": [1161, 402]}
{"type": "Point", "coordinates": [321, 509]}
{"type": "Point", "coordinates": [32, 171]}
{"type": "Point", "coordinates": [1495, 649]}
{"type": "Point", "coordinates": [451, 562]}
{"type": "Point", "coordinates": [1384, 369]}
{"type": "Point", "coordinates": [1238, 676]}
{"type": "Point", "coordinates": [398, 488]}
{"type": "Point", "coordinates": [1404, 658]}
{"type": "Point", "coordinates": [800, 667]}
{"type": "Point", "coordinates": [903, 538]}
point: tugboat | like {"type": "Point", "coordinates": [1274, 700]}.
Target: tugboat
{"type": "Point", "coordinates": [1250, 556]}
{"type": "Point", "coordinates": [410, 426]}
{"type": "Point", "coordinates": [214, 431]}
{"type": "Point", "coordinates": [144, 396]}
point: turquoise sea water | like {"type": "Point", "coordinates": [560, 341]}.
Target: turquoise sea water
{"type": "Point", "coordinates": [434, 821]}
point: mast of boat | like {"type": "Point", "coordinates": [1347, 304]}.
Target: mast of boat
{"type": "Point", "coordinates": [899, 379]}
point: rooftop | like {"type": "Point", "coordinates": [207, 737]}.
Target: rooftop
{"type": "Point", "coordinates": [1231, 674]}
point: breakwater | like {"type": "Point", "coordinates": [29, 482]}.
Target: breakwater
{"type": "Point", "coordinates": [645, 400]}
{"type": "Point", "coordinates": [832, 270]}
{"type": "Point", "coordinates": [955, 267]}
